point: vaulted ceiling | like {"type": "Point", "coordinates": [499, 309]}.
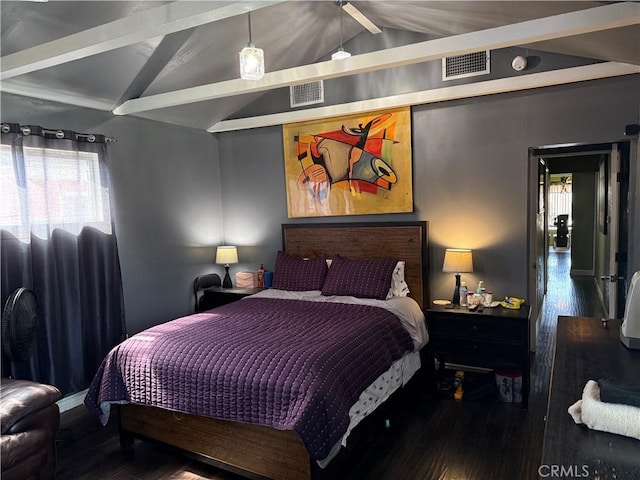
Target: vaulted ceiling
{"type": "Point", "coordinates": [177, 62]}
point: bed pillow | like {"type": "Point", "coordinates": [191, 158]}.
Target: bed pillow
{"type": "Point", "coordinates": [399, 287]}
{"type": "Point", "coordinates": [363, 278]}
{"type": "Point", "coordinates": [299, 274]}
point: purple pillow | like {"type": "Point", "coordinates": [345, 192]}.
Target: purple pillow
{"type": "Point", "coordinates": [363, 278]}
{"type": "Point", "coordinates": [299, 274]}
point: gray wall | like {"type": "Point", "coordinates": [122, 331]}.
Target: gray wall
{"type": "Point", "coordinates": [469, 172]}
{"type": "Point", "coordinates": [180, 192]}
{"type": "Point", "coordinates": [167, 203]}
{"type": "Point", "coordinates": [583, 213]}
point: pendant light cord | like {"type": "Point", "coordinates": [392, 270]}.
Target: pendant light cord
{"type": "Point", "coordinates": [340, 23]}
{"type": "Point", "coordinates": [249, 17]}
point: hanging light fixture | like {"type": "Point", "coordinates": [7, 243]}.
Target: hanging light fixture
{"type": "Point", "coordinates": [251, 59]}
{"type": "Point", "coordinates": [341, 52]}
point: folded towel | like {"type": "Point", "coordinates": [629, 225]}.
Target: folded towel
{"type": "Point", "coordinates": [615, 391]}
{"type": "Point", "coordinates": [606, 417]}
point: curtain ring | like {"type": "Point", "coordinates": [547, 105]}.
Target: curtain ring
{"type": "Point", "coordinates": [26, 131]}
{"type": "Point", "coordinates": [6, 128]}
{"type": "Point", "coordinates": [91, 138]}
{"type": "Point", "coordinates": [59, 134]}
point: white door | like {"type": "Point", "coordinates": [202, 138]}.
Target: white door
{"type": "Point", "coordinates": [613, 209]}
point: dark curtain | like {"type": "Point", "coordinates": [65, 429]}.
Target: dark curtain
{"type": "Point", "coordinates": [76, 280]}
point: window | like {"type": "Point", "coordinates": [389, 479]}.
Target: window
{"type": "Point", "coordinates": [46, 188]}
{"type": "Point", "coordinates": [54, 197]}
{"type": "Point", "coordinates": [560, 199]}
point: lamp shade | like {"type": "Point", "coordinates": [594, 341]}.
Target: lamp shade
{"type": "Point", "coordinates": [457, 260]}
{"type": "Point", "coordinates": [251, 63]}
{"type": "Point", "coordinates": [227, 255]}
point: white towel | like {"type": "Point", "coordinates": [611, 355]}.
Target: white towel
{"type": "Point", "coordinates": [606, 417]}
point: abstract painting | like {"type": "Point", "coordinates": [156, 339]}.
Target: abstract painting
{"type": "Point", "coordinates": [352, 165]}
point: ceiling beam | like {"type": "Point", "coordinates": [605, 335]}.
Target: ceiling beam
{"type": "Point", "coordinates": [162, 54]}
{"type": "Point", "coordinates": [489, 87]}
{"type": "Point", "coordinates": [160, 21]}
{"type": "Point", "coordinates": [548, 28]}
{"type": "Point", "coordinates": [360, 17]}
{"type": "Point", "coordinates": [59, 96]}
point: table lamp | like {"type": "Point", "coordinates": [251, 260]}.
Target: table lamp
{"type": "Point", "coordinates": [457, 260]}
{"type": "Point", "coordinates": [227, 255]}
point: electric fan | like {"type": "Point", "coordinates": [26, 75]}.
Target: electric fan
{"type": "Point", "coordinates": [19, 325]}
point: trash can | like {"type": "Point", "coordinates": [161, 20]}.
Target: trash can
{"type": "Point", "coordinates": [509, 383]}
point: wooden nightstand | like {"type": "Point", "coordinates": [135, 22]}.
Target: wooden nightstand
{"type": "Point", "coordinates": [487, 339]}
{"type": "Point", "coordinates": [218, 296]}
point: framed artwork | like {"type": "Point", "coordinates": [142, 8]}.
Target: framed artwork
{"type": "Point", "coordinates": [351, 165]}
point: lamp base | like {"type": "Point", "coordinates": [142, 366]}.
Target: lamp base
{"type": "Point", "coordinates": [456, 291]}
{"type": "Point", "coordinates": [226, 283]}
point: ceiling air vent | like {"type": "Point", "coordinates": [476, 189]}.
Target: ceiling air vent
{"type": "Point", "coordinates": [468, 65]}
{"type": "Point", "coordinates": [306, 94]}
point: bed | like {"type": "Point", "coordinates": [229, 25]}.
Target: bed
{"type": "Point", "coordinates": [258, 442]}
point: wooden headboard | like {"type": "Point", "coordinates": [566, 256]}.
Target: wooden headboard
{"type": "Point", "coordinates": [405, 241]}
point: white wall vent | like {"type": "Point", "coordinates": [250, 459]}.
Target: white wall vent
{"type": "Point", "coordinates": [467, 65]}
{"type": "Point", "coordinates": [306, 94]}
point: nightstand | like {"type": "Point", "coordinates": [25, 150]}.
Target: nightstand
{"type": "Point", "coordinates": [487, 339]}
{"type": "Point", "coordinates": [217, 296]}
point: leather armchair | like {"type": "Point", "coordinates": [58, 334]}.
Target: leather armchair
{"type": "Point", "coordinates": [30, 419]}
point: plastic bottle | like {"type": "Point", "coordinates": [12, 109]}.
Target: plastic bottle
{"type": "Point", "coordinates": [481, 291]}
{"type": "Point", "coordinates": [488, 298]}
{"type": "Point", "coordinates": [470, 298]}
{"type": "Point", "coordinates": [261, 276]}
{"type": "Point", "coordinates": [457, 383]}
{"type": "Point", "coordinates": [463, 293]}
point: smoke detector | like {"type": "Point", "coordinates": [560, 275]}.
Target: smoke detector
{"type": "Point", "coordinates": [519, 63]}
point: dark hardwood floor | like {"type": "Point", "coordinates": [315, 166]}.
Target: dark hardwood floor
{"type": "Point", "coordinates": [429, 437]}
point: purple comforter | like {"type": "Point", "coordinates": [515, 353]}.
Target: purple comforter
{"type": "Point", "coordinates": [287, 364]}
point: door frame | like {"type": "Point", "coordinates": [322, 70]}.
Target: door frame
{"type": "Point", "coordinates": [535, 208]}
{"type": "Point", "coordinates": [535, 153]}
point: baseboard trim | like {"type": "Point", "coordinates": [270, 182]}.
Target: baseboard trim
{"type": "Point", "coordinates": [72, 401]}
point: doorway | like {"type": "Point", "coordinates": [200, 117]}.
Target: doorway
{"type": "Point", "coordinates": [594, 249]}
{"type": "Point", "coordinates": [559, 210]}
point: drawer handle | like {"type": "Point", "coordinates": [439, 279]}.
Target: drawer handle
{"type": "Point", "coordinates": [475, 328]}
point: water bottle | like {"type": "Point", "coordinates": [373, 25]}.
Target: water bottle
{"type": "Point", "coordinates": [481, 291]}
{"type": "Point", "coordinates": [463, 293]}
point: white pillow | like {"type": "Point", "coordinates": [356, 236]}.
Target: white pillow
{"type": "Point", "coordinates": [399, 287]}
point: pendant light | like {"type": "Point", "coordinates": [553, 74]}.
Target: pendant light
{"type": "Point", "coordinates": [341, 52]}
{"type": "Point", "coordinates": [251, 59]}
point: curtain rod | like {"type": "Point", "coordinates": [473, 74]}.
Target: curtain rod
{"type": "Point", "coordinates": [6, 128]}
{"type": "Point", "coordinates": [89, 136]}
